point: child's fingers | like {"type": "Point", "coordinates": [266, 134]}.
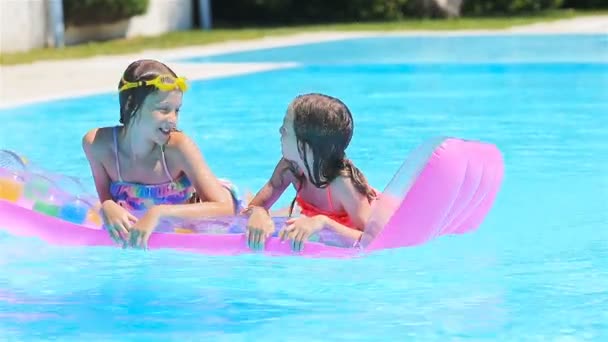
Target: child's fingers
{"type": "Point", "coordinates": [305, 237]}
{"type": "Point", "coordinates": [121, 231]}
{"type": "Point", "coordinates": [269, 230]}
{"type": "Point", "coordinates": [125, 226]}
{"type": "Point", "coordinates": [133, 237]}
{"type": "Point", "coordinates": [284, 235]}
{"type": "Point", "coordinates": [285, 232]}
{"type": "Point", "coordinates": [258, 240]}
{"type": "Point", "coordinates": [295, 243]}
{"type": "Point", "coordinates": [114, 234]}
{"type": "Point", "coordinates": [250, 237]}
{"type": "Point", "coordinates": [299, 239]}
{"type": "Point", "coordinates": [131, 217]}
{"type": "Point", "coordinates": [143, 240]}
{"type": "Point", "coordinates": [253, 239]}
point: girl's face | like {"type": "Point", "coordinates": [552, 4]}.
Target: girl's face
{"type": "Point", "coordinates": [289, 143]}
{"type": "Point", "coordinates": [158, 115]}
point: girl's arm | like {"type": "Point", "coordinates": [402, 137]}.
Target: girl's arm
{"type": "Point", "coordinates": [276, 185]}
{"type": "Point", "coordinates": [215, 199]}
{"type": "Point", "coordinates": [117, 220]}
{"type": "Point", "coordinates": [260, 225]}
{"type": "Point", "coordinates": [352, 235]}
{"type": "Point", "coordinates": [93, 151]}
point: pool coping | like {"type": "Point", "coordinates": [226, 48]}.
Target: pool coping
{"type": "Point", "coordinates": [22, 85]}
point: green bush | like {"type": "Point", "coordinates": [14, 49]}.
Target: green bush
{"type": "Point", "coordinates": [281, 12]}
{"type": "Point", "coordinates": [271, 12]}
{"type": "Point", "coordinates": [586, 4]}
{"type": "Point", "coordinates": [91, 12]}
{"type": "Point", "coordinates": [505, 7]}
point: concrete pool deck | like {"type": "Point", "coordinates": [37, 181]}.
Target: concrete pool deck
{"type": "Point", "coordinates": [49, 80]}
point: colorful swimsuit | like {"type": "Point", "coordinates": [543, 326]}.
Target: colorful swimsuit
{"type": "Point", "coordinates": [137, 197]}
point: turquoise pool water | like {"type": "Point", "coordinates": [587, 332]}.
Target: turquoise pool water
{"type": "Point", "coordinates": [537, 269]}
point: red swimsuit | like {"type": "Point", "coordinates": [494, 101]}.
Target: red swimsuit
{"type": "Point", "coordinates": [310, 210]}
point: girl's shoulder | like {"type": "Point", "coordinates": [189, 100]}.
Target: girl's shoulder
{"type": "Point", "coordinates": [180, 142]}
{"type": "Point", "coordinates": [348, 188]}
{"type": "Point", "coordinates": [177, 139]}
{"type": "Point", "coordinates": [97, 135]}
{"type": "Point", "coordinates": [344, 185]}
{"type": "Point", "coordinates": [98, 141]}
{"type": "Point", "coordinates": [180, 148]}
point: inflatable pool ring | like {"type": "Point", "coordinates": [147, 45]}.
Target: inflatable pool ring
{"type": "Point", "coordinates": [445, 186]}
{"type": "Point", "coordinates": [11, 189]}
{"type": "Point", "coordinates": [11, 183]}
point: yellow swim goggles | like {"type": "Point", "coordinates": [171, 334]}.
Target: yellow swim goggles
{"type": "Point", "coordinates": [162, 82]}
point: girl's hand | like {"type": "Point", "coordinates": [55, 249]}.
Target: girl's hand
{"type": "Point", "coordinates": [117, 221]}
{"type": "Point", "coordinates": [140, 232]}
{"type": "Point", "coordinates": [259, 227]}
{"type": "Point", "coordinates": [298, 230]}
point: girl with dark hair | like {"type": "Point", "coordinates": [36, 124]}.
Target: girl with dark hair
{"type": "Point", "coordinates": [331, 192]}
{"type": "Point", "coordinates": [146, 165]}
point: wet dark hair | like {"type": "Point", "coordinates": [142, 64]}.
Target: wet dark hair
{"type": "Point", "coordinates": [325, 125]}
{"type": "Point", "coordinates": [132, 99]}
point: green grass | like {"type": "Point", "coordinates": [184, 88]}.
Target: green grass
{"type": "Point", "coordinates": [198, 37]}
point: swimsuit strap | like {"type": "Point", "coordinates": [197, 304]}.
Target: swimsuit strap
{"type": "Point", "coordinates": [164, 161]}
{"type": "Point", "coordinates": [116, 152]}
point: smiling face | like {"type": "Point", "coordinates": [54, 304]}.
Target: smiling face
{"type": "Point", "coordinates": [158, 115]}
{"type": "Point", "coordinates": [148, 112]}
